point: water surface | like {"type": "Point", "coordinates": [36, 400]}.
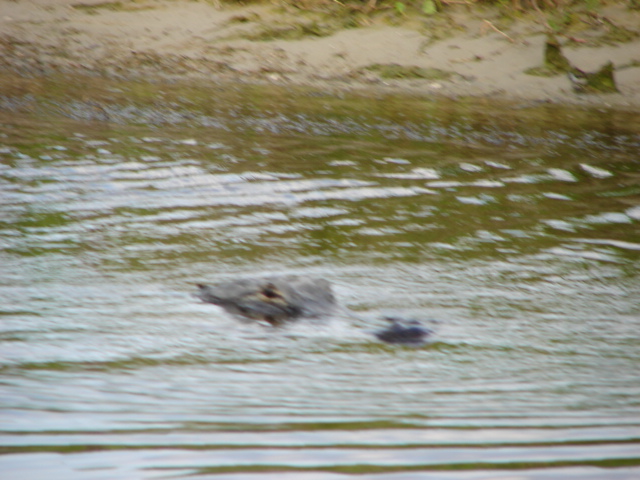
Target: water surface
{"type": "Point", "coordinates": [516, 230]}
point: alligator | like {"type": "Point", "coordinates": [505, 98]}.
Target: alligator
{"type": "Point", "coordinates": [404, 332]}
{"type": "Point", "coordinates": [278, 300]}
{"type": "Point", "coordinates": [275, 300]}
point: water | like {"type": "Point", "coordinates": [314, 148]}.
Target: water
{"type": "Point", "coordinates": [515, 230]}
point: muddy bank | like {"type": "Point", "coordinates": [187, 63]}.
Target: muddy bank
{"type": "Point", "coordinates": [460, 54]}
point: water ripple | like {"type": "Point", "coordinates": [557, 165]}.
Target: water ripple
{"type": "Point", "coordinates": [519, 248]}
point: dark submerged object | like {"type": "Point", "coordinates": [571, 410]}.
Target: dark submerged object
{"type": "Point", "coordinates": [404, 332]}
{"type": "Point", "coordinates": [275, 300]}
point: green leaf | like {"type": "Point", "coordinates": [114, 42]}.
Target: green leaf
{"type": "Point", "coordinates": [400, 7]}
{"type": "Point", "coordinates": [429, 7]}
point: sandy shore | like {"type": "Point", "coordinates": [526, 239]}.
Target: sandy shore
{"type": "Point", "coordinates": [183, 39]}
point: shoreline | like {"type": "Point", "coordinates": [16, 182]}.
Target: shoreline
{"type": "Point", "coordinates": [168, 41]}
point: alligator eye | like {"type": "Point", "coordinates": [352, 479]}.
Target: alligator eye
{"type": "Point", "coordinates": [270, 291]}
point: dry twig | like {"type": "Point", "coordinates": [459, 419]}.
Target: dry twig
{"type": "Point", "coordinates": [491, 25]}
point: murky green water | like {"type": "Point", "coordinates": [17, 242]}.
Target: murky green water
{"type": "Point", "coordinates": [516, 229]}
